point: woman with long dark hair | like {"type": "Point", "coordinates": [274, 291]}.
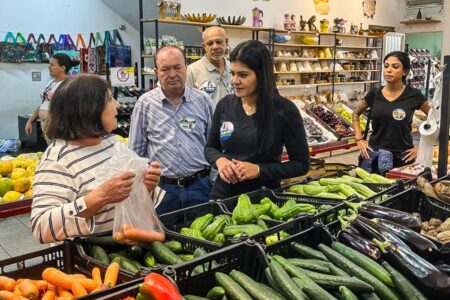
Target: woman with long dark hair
{"type": "Point", "coordinates": [251, 127]}
{"type": "Point", "coordinates": [392, 110]}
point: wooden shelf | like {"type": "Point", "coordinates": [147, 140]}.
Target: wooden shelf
{"type": "Point", "coordinates": [299, 59]}
{"type": "Point", "coordinates": [419, 21]}
{"type": "Point", "coordinates": [358, 59]}
{"type": "Point", "coordinates": [297, 31]}
{"type": "Point", "coordinates": [147, 56]}
{"type": "Point", "coordinates": [303, 46]}
{"type": "Point", "coordinates": [149, 73]}
{"type": "Point", "coordinates": [308, 86]}
{"type": "Point", "coordinates": [357, 47]}
{"type": "Point", "coordinates": [189, 23]}
{"type": "Point", "coordinates": [331, 71]}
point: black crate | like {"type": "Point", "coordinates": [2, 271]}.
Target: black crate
{"type": "Point", "coordinates": [176, 220]}
{"type": "Point", "coordinates": [247, 257]}
{"type": "Point", "coordinates": [189, 245]}
{"type": "Point", "coordinates": [439, 202]}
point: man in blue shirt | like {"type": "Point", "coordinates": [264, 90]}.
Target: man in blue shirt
{"type": "Point", "coordinates": [169, 124]}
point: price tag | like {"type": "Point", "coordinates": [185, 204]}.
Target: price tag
{"type": "Point", "coordinates": [310, 149]}
{"type": "Point", "coordinates": [351, 141]}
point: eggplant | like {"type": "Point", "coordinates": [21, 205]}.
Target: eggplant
{"type": "Point", "coordinates": [360, 244]}
{"type": "Point", "coordinates": [432, 282]}
{"type": "Point", "coordinates": [444, 253]}
{"type": "Point", "coordinates": [371, 211]}
{"type": "Point", "coordinates": [417, 242]}
{"type": "Point", "coordinates": [445, 268]}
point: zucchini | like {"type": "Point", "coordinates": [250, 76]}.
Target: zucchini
{"type": "Point", "coordinates": [402, 285]}
{"type": "Point", "coordinates": [257, 290]}
{"type": "Point", "coordinates": [332, 282]}
{"type": "Point", "coordinates": [364, 262]}
{"type": "Point", "coordinates": [163, 254]}
{"type": "Point", "coordinates": [353, 269]}
{"type": "Point", "coordinates": [216, 293]}
{"type": "Point", "coordinates": [289, 289]}
{"type": "Point", "coordinates": [232, 289]}
{"type": "Point", "coordinates": [190, 297]}
{"type": "Point", "coordinates": [98, 253]}
{"type": "Point", "coordinates": [347, 294]}
{"type": "Point", "coordinates": [308, 252]}
{"type": "Point", "coordinates": [314, 291]}
{"type": "Point", "coordinates": [149, 259]}
{"type": "Point", "coordinates": [175, 246]}
{"type": "Point", "coordinates": [307, 264]}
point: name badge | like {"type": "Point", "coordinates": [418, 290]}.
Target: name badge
{"type": "Point", "coordinates": [226, 130]}
{"type": "Point", "coordinates": [398, 114]}
{"type": "Point", "coordinates": [187, 123]}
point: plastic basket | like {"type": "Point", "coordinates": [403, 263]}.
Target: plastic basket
{"type": "Point", "coordinates": [439, 202]}
{"type": "Point", "coordinates": [247, 257]}
{"type": "Point", "coordinates": [189, 245]}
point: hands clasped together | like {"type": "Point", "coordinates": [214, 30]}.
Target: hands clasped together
{"type": "Point", "coordinates": [234, 171]}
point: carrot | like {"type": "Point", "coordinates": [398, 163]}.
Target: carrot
{"type": "Point", "coordinates": [78, 289]}
{"type": "Point", "coordinates": [49, 295]}
{"type": "Point", "coordinates": [143, 235]}
{"type": "Point", "coordinates": [29, 289]}
{"type": "Point", "coordinates": [77, 276]}
{"type": "Point", "coordinates": [62, 292]}
{"type": "Point", "coordinates": [87, 283]}
{"type": "Point", "coordinates": [111, 275]}
{"type": "Point", "coordinates": [7, 283]}
{"type": "Point", "coordinates": [101, 287]}
{"type": "Point", "coordinates": [42, 285]}
{"type": "Point", "coordinates": [51, 287]}
{"type": "Point", "coordinates": [58, 278]}
{"type": "Point", "coordinates": [6, 295]}
{"type": "Point", "coordinates": [17, 291]}
{"type": "Point", "coordinates": [97, 276]}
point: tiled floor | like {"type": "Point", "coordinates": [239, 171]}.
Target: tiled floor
{"type": "Point", "coordinates": [16, 238]}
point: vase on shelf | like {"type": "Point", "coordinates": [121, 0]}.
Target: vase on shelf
{"type": "Point", "coordinates": [419, 15]}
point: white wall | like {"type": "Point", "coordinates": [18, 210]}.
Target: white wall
{"type": "Point", "coordinates": [20, 95]}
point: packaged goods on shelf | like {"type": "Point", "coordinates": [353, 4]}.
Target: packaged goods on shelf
{"type": "Point", "coordinates": [316, 134]}
{"type": "Point", "coordinates": [332, 120]}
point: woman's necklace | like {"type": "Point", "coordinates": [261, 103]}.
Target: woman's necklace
{"type": "Point", "coordinates": [249, 109]}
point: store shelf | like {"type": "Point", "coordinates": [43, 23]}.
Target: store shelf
{"type": "Point", "coordinates": [147, 56]}
{"type": "Point", "coordinates": [309, 86]}
{"type": "Point", "coordinates": [415, 22]}
{"type": "Point", "coordinates": [149, 73]}
{"type": "Point", "coordinates": [299, 59]}
{"type": "Point", "coordinates": [330, 71]}
{"type": "Point", "coordinates": [189, 23]}
{"type": "Point", "coordinates": [15, 208]}
{"type": "Point", "coordinates": [296, 31]}
{"type": "Point", "coordinates": [356, 82]}
{"type": "Point", "coordinates": [358, 59]}
{"type": "Point", "coordinates": [358, 47]}
{"type": "Point", "coordinates": [346, 143]}
{"type": "Point", "coordinates": [303, 46]}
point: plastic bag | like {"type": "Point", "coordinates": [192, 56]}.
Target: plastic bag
{"type": "Point", "coordinates": [135, 219]}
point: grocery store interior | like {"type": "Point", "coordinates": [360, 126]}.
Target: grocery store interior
{"type": "Point", "coordinates": [328, 57]}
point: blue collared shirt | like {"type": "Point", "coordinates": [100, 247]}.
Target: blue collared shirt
{"type": "Point", "coordinates": [175, 137]}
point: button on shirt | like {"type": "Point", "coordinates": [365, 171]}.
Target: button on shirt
{"type": "Point", "coordinates": [203, 75]}
{"type": "Point", "coordinates": [175, 137]}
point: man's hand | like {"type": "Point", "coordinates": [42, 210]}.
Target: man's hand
{"type": "Point", "coordinates": [152, 175]}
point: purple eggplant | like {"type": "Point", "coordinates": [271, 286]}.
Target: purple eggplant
{"type": "Point", "coordinates": [444, 253]}
{"type": "Point", "coordinates": [417, 242]}
{"type": "Point", "coordinates": [371, 211]}
{"type": "Point", "coordinates": [360, 244]}
{"type": "Point", "coordinates": [432, 282]}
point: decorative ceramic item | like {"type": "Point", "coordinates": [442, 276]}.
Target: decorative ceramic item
{"type": "Point", "coordinates": [293, 25]}
{"type": "Point", "coordinates": [302, 24]}
{"type": "Point", "coordinates": [324, 25]}
{"type": "Point", "coordinates": [339, 24]}
{"type": "Point", "coordinates": [169, 10]}
{"type": "Point", "coordinates": [361, 30]}
{"type": "Point", "coordinates": [419, 15]}
{"type": "Point", "coordinates": [369, 7]}
{"type": "Point", "coordinates": [353, 29]}
{"type": "Point", "coordinates": [231, 20]}
{"type": "Point", "coordinates": [287, 22]}
{"type": "Point", "coordinates": [200, 18]}
{"type": "Point", "coordinates": [311, 25]}
{"type": "Point", "coordinates": [257, 17]}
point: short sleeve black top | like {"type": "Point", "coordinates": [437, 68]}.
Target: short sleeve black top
{"type": "Point", "coordinates": [233, 134]}
{"type": "Point", "coordinates": [391, 120]}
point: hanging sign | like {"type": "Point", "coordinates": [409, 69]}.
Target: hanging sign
{"type": "Point", "coordinates": [122, 76]}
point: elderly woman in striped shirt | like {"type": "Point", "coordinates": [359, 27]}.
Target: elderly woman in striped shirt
{"type": "Point", "coordinates": [67, 199]}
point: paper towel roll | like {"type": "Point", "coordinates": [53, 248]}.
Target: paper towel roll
{"type": "Point", "coordinates": [429, 136]}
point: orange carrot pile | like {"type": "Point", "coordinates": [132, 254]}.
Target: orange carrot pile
{"type": "Point", "coordinates": [57, 285]}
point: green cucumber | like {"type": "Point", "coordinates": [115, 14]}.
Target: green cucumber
{"type": "Point", "coordinates": [135, 252]}
{"type": "Point", "coordinates": [307, 264]}
{"type": "Point", "coordinates": [125, 264]}
{"type": "Point", "coordinates": [186, 257]}
{"type": "Point", "coordinates": [364, 262]}
{"type": "Point", "coordinates": [371, 296]}
{"type": "Point", "coordinates": [107, 242]}
{"type": "Point", "coordinates": [331, 282]}
{"type": "Point", "coordinates": [348, 266]}
{"type": "Point", "coordinates": [163, 254]}
{"type": "Point", "coordinates": [308, 252]}
{"type": "Point", "coordinates": [232, 289]}
{"type": "Point", "coordinates": [301, 285]}
{"type": "Point", "coordinates": [402, 285]}
{"type": "Point", "coordinates": [315, 290]}
{"type": "Point", "coordinates": [257, 290]}
{"type": "Point", "coordinates": [216, 293]}
{"type": "Point", "coordinates": [98, 253]}
{"type": "Point", "coordinates": [192, 297]}
{"type": "Point", "coordinates": [199, 252]}
{"type": "Point", "coordinates": [149, 259]}
{"type": "Point", "coordinates": [289, 289]}
{"type": "Point", "coordinates": [271, 281]}
{"type": "Point", "coordinates": [175, 246]}
{"type": "Point", "coordinates": [347, 294]}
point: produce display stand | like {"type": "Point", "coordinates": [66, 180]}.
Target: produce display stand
{"type": "Point", "coordinates": [439, 202]}
{"type": "Point", "coordinates": [15, 208]}
{"type": "Point", "coordinates": [189, 245]}
{"type": "Point", "coordinates": [247, 257]}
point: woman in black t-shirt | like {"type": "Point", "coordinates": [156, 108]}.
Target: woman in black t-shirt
{"type": "Point", "coordinates": [251, 127]}
{"type": "Point", "coordinates": [392, 111]}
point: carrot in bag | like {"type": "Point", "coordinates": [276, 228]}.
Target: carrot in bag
{"type": "Point", "coordinates": [29, 289]}
{"type": "Point", "coordinates": [136, 234]}
{"type": "Point", "coordinates": [7, 283]}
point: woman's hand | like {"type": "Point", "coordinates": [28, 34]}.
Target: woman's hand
{"type": "Point", "coordinates": [247, 170]}
{"type": "Point", "coordinates": [152, 175]}
{"type": "Point", "coordinates": [29, 127]}
{"type": "Point", "coordinates": [228, 171]}
{"type": "Point", "coordinates": [363, 146]}
{"type": "Point", "coordinates": [410, 154]}
{"type": "Point", "coordinates": [117, 188]}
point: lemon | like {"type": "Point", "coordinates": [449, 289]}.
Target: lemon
{"type": "Point", "coordinates": [32, 168]}
{"type": "Point", "coordinates": [31, 178]}
{"type": "Point", "coordinates": [28, 194]}
{"type": "Point", "coordinates": [6, 167]}
{"type": "Point", "coordinates": [28, 162]}
{"type": "Point", "coordinates": [22, 184]}
{"type": "Point", "coordinates": [11, 196]}
{"type": "Point", "coordinates": [6, 185]}
{"type": "Point", "coordinates": [18, 172]}
{"type": "Point", "coordinates": [39, 154]}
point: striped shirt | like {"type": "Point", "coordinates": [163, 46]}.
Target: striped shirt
{"type": "Point", "coordinates": [64, 176]}
{"type": "Point", "coordinates": [175, 137]}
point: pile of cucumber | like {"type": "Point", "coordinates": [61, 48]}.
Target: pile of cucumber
{"type": "Point", "coordinates": [132, 258]}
